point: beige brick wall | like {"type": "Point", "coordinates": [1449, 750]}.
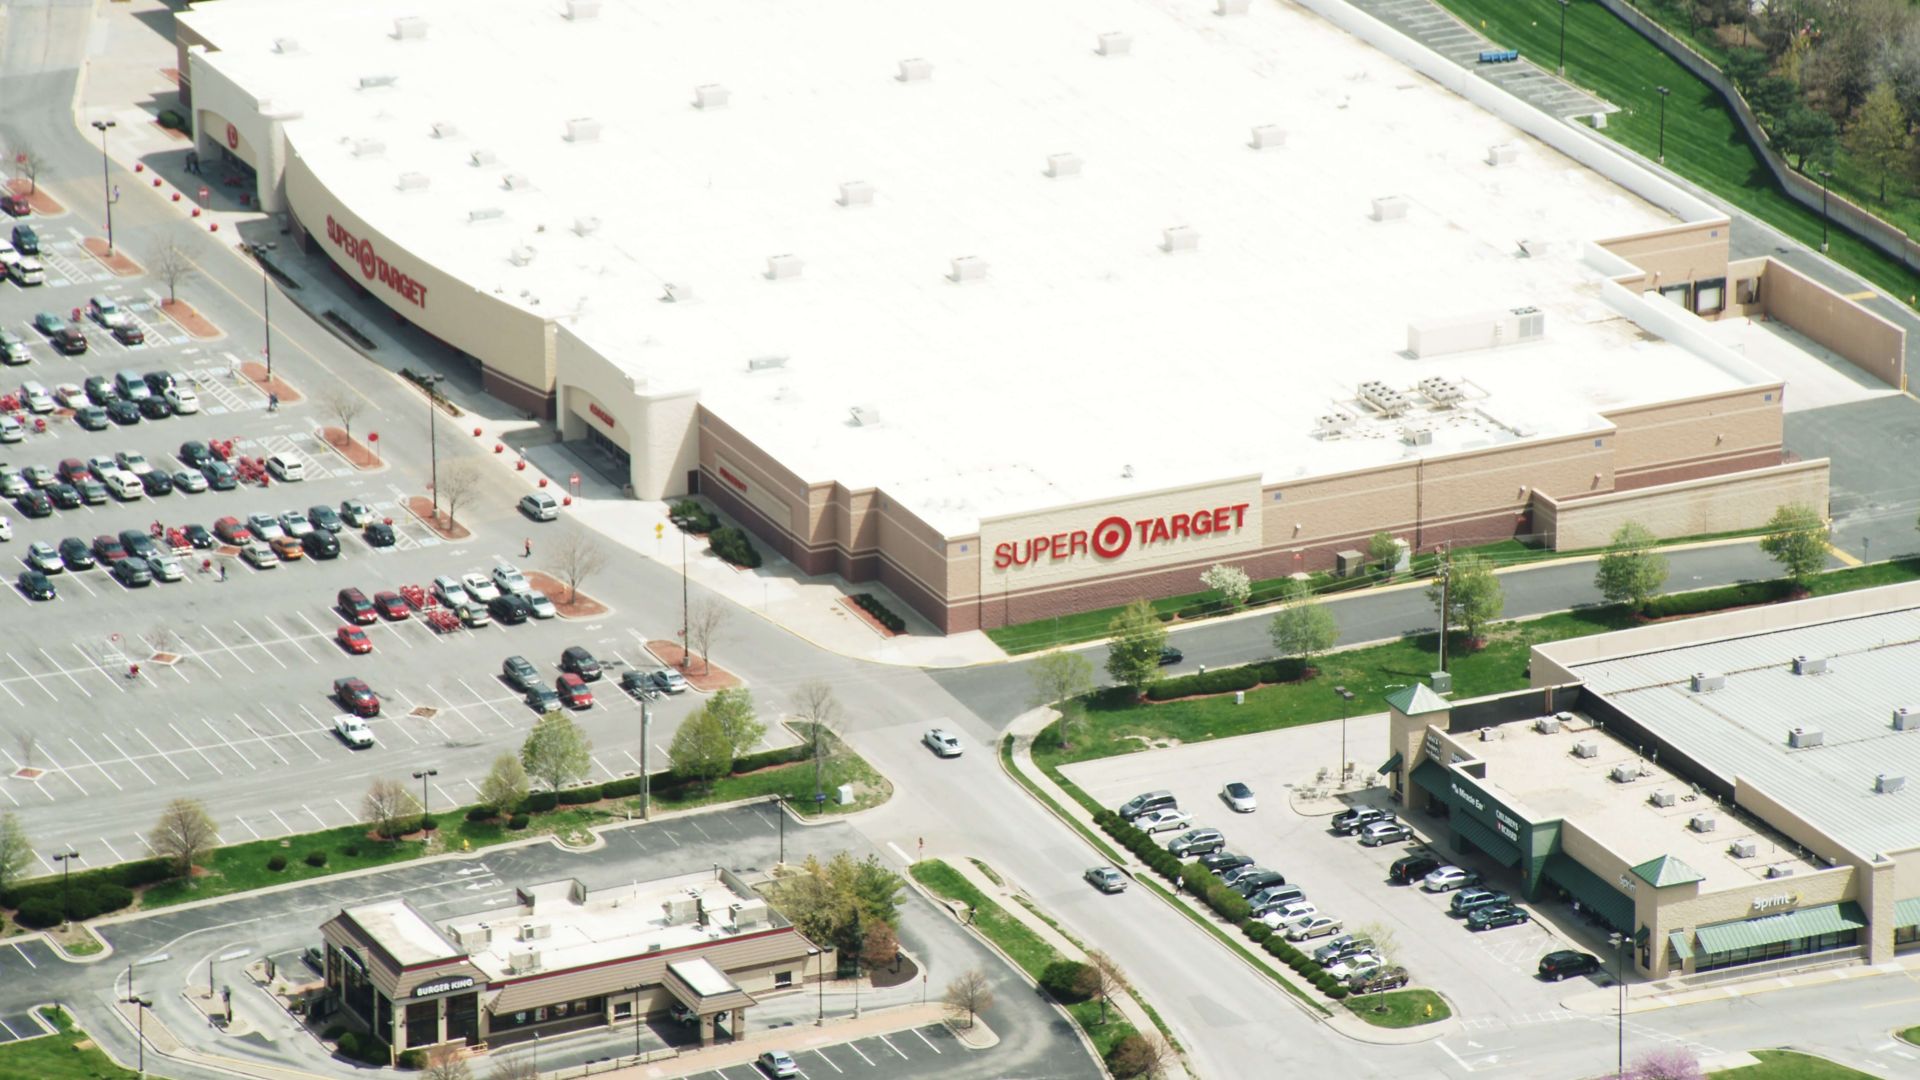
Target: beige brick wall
{"type": "Point", "coordinates": [1712, 504]}
{"type": "Point", "coordinates": [1869, 342]}
{"type": "Point", "coordinates": [1733, 424]}
{"type": "Point", "coordinates": [1696, 251]}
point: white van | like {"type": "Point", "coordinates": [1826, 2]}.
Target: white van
{"type": "Point", "coordinates": [27, 270]}
{"type": "Point", "coordinates": [36, 398]}
{"type": "Point", "coordinates": [286, 467]}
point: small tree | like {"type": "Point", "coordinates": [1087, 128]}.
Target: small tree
{"type": "Point", "coordinates": [389, 807]}
{"type": "Point", "coordinates": [1230, 582]}
{"type": "Point", "coordinates": [814, 703]}
{"type": "Point", "coordinates": [1104, 979]}
{"type": "Point", "coordinates": [26, 165]}
{"type": "Point", "coordinates": [344, 402]}
{"type": "Point", "coordinates": [1474, 596]}
{"type": "Point", "coordinates": [1633, 569]}
{"type": "Point", "coordinates": [171, 264]}
{"type": "Point", "coordinates": [1385, 945]}
{"type": "Point", "coordinates": [16, 851]}
{"type": "Point", "coordinates": [505, 786]}
{"type": "Point", "coordinates": [459, 482]}
{"type": "Point", "coordinates": [446, 1063]}
{"type": "Point", "coordinates": [1060, 679]}
{"type": "Point", "coordinates": [1667, 1063]}
{"type": "Point", "coordinates": [1878, 136]}
{"type": "Point", "coordinates": [705, 619]}
{"type": "Point", "coordinates": [878, 945]}
{"type": "Point", "coordinates": [1139, 1055]}
{"type": "Point", "coordinates": [1138, 638]}
{"type": "Point", "coordinates": [1383, 550]}
{"type": "Point", "coordinates": [514, 1068]}
{"type": "Point", "coordinates": [1805, 133]}
{"type": "Point", "coordinates": [733, 708]}
{"type": "Point", "coordinates": [701, 750]}
{"type": "Point", "coordinates": [557, 753]}
{"type": "Point", "coordinates": [184, 833]}
{"type": "Point", "coordinates": [1303, 627]}
{"type": "Point", "coordinates": [576, 557]}
{"type": "Point", "coordinates": [969, 995]}
{"type": "Point", "coordinates": [1797, 540]}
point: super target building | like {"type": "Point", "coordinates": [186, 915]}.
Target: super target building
{"type": "Point", "coordinates": [1027, 309]}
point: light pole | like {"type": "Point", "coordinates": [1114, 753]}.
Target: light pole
{"type": "Point", "coordinates": [1619, 942]}
{"type": "Point", "coordinates": [1346, 699]}
{"type": "Point", "coordinates": [106, 181]}
{"type": "Point", "coordinates": [432, 382]}
{"type": "Point", "coordinates": [423, 775]}
{"type": "Point", "coordinates": [686, 642]}
{"type": "Point", "coordinates": [1663, 122]}
{"type": "Point", "coordinates": [646, 778]}
{"type": "Point", "coordinates": [65, 858]}
{"type": "Point", "coordinates": [140, 1007]}
{"type": "Point", "coordinates": [258, 249]}
{"type": "Point", "coordinates": [820, 984]}
{"type": "Point", "coordinates": [780, 813]}
{"type": "Point", "coordinates": [1825, 176]}
{"type": "Point", "coordinates": [1564, 4]}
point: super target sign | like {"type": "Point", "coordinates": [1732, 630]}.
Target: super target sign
{"type": "Point", "coordinates": [1117, 535]}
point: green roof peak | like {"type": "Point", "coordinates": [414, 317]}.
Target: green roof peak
{"type": "Point", "coordinates": [1418, 700]}
{"type": "Point", "coordinates": [1664, 871]}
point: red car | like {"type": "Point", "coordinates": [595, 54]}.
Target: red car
{"type": "Point", "coordinates": [231, 530]}
{"type": "Point", "coordinates": [356, 607]}
{"type": "Point", "coordinates": [356, 697]}
{"type": "Point", "coordinates": [108, 549]}
{"type": "Point", "coordinates": [73, 470]}
{"type": "Point", "coordinates": [391, 605]}
{"type": "Point", "coordinates": [573, 691]}
{"type": "Point", "coordinates": [354, 640]}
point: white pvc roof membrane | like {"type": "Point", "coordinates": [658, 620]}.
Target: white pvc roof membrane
{"type": "Point", "coordinates": [1087, 350]}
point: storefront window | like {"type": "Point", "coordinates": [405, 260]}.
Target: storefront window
{"type": "Point", "coordinates": [463, 1018]}
{"type": "Point", "coordinates": [572, 1011]}
{"type": "Point", "coordinates": [1793, 947]}
{"type": "Point", "coordinates": [423, 1023]}
{"type": "Point", "coordinates": [1906, 935]}
{"type": "Point", "coordinates": [782, 978]}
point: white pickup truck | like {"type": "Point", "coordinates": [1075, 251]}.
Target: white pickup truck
{"type": "Point", "coordinates": [353, 731]}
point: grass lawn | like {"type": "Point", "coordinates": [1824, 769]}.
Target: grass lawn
{"type": "Point", "coordinates": [54, 1057]}
{"type": "Point", "coordinates": [1019, 942]}
{"type": "Point", "coordinates": [1399, 1008]}
{"type": "Point", "coordinates": [1787, 1065]}
{"type": "Point", "coordinates": [1912, 1035]}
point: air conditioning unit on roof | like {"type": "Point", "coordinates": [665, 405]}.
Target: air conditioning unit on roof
{"type": "Point", "coordinates": [1801, 738]}
{"type": "Point", "coordinates": [1268, 137]}
{"type": "Point", "coordinates": [1547, 725]}
{"type": "Point", "coordinates": [1625, 773]}
{"type": "Point", "coordinates": [1743, 849]}
{"type": "Point", "coordinates": [1115, 43]}
{"type": "Point", "coordinates": [410, 28]}
{"type": "Point", "coordinates": [1905, 719]}
{"type": "Point", "coordinates": [1705, 682]}
{"type": "Point", "coordinates": [1586, 749]}
{"type": "Point", "coordinates": [1662, 799]}
{"type": "Point", "coordinates": [1809, 665]}
{"type": "Point", "coordinates": [1703, 823]}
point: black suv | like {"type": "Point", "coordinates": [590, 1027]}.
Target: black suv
{"type": "Point", "coordinates": [321, 544]}
{"type": "Point", "coordinates": [580, 662]}
{"type": "Point", "coordinates": [1221, 862]}
{"type": "Point", "coordinates": [193, 453]}
{"type": "Point", "coordinates": [76, 554]}
{"type": "Point", "coordinates": [25, 240]}
{"type": "Point", "coordinates": [1566, 963]}
{"type": "Point", "coordinates": [506, 608]}
{"type": "Point", "coordinates": [1411, 868]}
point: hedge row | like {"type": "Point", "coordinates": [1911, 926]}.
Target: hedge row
{"type": "Point", "coordinates": [692, 517]}
{"type": "Point", "coordinates": [1727, 596]}
{"type": "Point", "coordinates": [1144, 846]}
{"type": "Point", "coordinates": [883, 614]}
{"type": "Point", "coordinates": [88, 893]}
{"type": "Point", "coordinates": [1282, 950]}
{"type": "Point", "coordinates": [1225, 680]}
{"type": "Point", "coordinates": [732, 544]}
{"type": "Point", "coordinates": [665, 783]}
{"type": "Point", "coordinates": [1233, 908]}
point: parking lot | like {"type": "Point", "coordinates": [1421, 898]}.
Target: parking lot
{"type": "Point", "coordinates": [1488, 974]}
{"type": "Point", "coordinates": [931, 1050]}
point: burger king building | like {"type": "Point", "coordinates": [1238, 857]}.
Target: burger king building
{"type": "Point", "coordinates": [1019, 314]}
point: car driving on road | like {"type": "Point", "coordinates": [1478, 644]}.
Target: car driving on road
{"type": "Point", "coordinates": [942, 742]}
{"type": "Point", "coordinates": [1106, 879]}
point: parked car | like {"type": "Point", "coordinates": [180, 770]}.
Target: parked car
{"type": "Point", "coordinates": [1272, 897]}
{"type": "Point", "coordinates": [324, 517]}
{"type": "Point", "coordinates": [320, 544]}
{"type": "Point", "coordinates": [155, 408]}
{"type": "Point", "coordinates": [509, 610]}
{"type": "Point", "coordinates": [34, 504]}
{"type": "Point", "coordinates": [1170, 656]}
{"type": "Point", "coordinates": [193, 453]}
{"type": "Point", "coordinates": [231, 530]}
{"type": "Point", "coordinates": [1248, 884]}
{"type": "Point", "coordinates": [1341, 947]}
{"type": "Point", "coordinates": [74, 554]}
{"type": "Point", "coordinates": [184, 400]}
{"type": "Point", "coordinates": [353, 731]}
{"type": "Point", "coordinates": [354, 640]}
{"type": "Point", "coordinates": [157, 483]}
{"type": "Point", "coordinates": [1360, 963]}
{"type": "Point", "coordinates": [197, 534]}
{"type": "Point", "coordinates": [1145, 803]}
{"type": "Point", "coordinates": [265, 526]}
{"type": "Point", "coordinates": [447, 589]}
{"type": "Point", "coordinates": [511, 580]}
{"type": "Point", "coordinates": [538, 603]}
{"type": "Point", "coordinates": [540, 506]}
{"type": "Point", "coordinates": [108, 548]}
{"type": "Point", "coordinates": [287, 548]}
{"type": "Point", "coordinates": [13, 349]}
{"type": "Point", "coordinates": [391, 606]}
{"type": "Point", "coordinates": [1106, 879]}
{"type": "Point", "coordinates": [1222, 861]}
{"type": "Point", "coordinates": [43, 557]}
{"type": "Point", "coordinates": [576, 659]}
{"type": "Point", "coordinates": [66, 497]}
{"type": "Point", "coordinates": [220, 475]}
{"type": "Point", "coordinates": [296, 523]}
{"type": "Point", "coordinates": [138, 544]}
{"type": "Point", "coordinates": [1197, 842]}
{"type": "Point", "coordinates": [1378, 980]}
{"type": "Point", "coordinates": [260, 555]}
{"type": "Point", "coordinates": [36, 585]}
{"type": "Point", "coordinates": [91, 418]}
{"type": "Point", "coordinates": [480, 587]}
{"type": "Point", "coordinates": [471, 614]}
{"type": "Point", "coordinates": [1239, 798]}
{"type": "Point", "coordinates": [1494, 916]}
{"type": "Point", "coordinates": [1239, 873]}
{"type": "Point", "coordinates": [1348, 822]}
{"type": "Point", "coordinates": [11, 430]}
{"type": "Point", "coordinates": [166, 568]}
{"type": "Point", "coordinates": [942, 742]}
{"type": "Point", "coordinates": [668, 681]}
{"type": "Point", "coordinates": [286, 468]}
{"type": "Point", "coordinates": [778, 1064]}
{"type": "Point", "coordinates": [379, 534]}
{"type": "Point", "coordinates": [356, 696]}
{"type": "Point", "coordinates": [1566, 963]}
{"type": "Point", "coordinates": [520, 673]}
{"type": "Point", "coordinates": [1467, 900]}
{"type": "Point", "coordinates": [355, 513]}
{"type": "Point", "coordinates": [1449, 878]}
{"type": "Point", "coordinates": [1411, 868]}
{"type": "Point", "coordinates": [125, 413]}
{"type": "Point", "coordinates": [1312, 926]}
{"type": "Point", "coordinates": [543, 699]}
{"type": "Point", "coordinates": [1384, 832]}
{"type": "Point", "coordinates": [132, 572]}
{"type": "Point", "coordinates": [1162, 820]}
{"type": "Point", "coordinates": [573, 691]}
{"type": "Point", "coordinates": [34, 398]}
{"type": "Point", "coordinates": [129, 333]}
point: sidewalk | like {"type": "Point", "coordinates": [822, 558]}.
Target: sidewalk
{"type": "Point", "coordinates": [793, 1040]}
{"type": "Point", "coordinates": [1667, 994]}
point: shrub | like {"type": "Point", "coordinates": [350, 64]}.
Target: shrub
{"type": "Point", "coordinates": [316, 858]}
{"type": "Point", "coordinates": [1065, 979]}
{"type": "Point", "coordinates": [1693, 603]}
{"type": "Point", "coordinates": [620, 789]}
{"type": "Point", "coordinates": [412, 1059]}
{"type": "Point", "coordinates": [1339, 992]}
{"type": "Point", "coordinates": [580, 796]}
{"type": "Point", "coordinates": [482, 813]}
{"type": "Point", "coordinates": [428, 823]}
{"type": "Point", "coordinates": [539, 802]}
{"type": "Point", "coordinates": [1128, 1056]}
{"type": "Point", "coordinates": [1259, 932]}
{"type": "Point", "coordinates": [1196, 878]}
{"type": "Point", "coordinates": [351, 851]}
{"type": "Point", "coordinates": [1276, 947]}
{"type": "Point", "coordinates": [145, 872]}
{"type": "Point", "coordinates": [746, 763]}
{"type": "Point", "coordinates": [692, 517]}
{"type": "Point", "coordinates": [518, 822]}
{"type": "Point", "coordinates": [348, 1044]}
{"type": "Point", "coordinates": [881, 613]}
{"type": "Point", "coordinates": [39, 913]}
{"type": "Point", "coordinates": [277, 863]}
{"type": "Point", "coordinates": [732, 544]}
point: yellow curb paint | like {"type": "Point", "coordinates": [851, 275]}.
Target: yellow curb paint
{"type": "Point", "coordinates": [1868, 294]}
{"type": "Point", "coordinates": [1843, 556]}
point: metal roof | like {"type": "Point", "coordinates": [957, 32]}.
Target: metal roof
{"type": "Point", "coordinates": [1682, 947]}
{"type": "Point", "coordinates": [1666, 870]}
{"type": "Point", "coordinates": [1591, 889]}
{"type": "Point", "coordinates": [1418, 700]}
{"type": "Point", "coordinates": [1741, 729]}
{"type": "Point", "coordinates": [1770, 929]}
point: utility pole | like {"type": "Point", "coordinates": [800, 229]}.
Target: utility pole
{"type": "Point", "coordinates": [646, 778]}
{"type": "Point", "coordinates": [686, 640]}
{"type": "Point", "coordinates": [1446, 572]}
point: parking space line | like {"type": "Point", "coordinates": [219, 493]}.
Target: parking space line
{"type": "Point", "coordinates": [295, 734]}
{"type": "Point", "coordinates": [457, 711]}
{"type": "Point", "coordinates": [208, 724]}
{"type": "Point", "coordinates": [111, 681]}
{"type": "Point", "coordinates": [110, 849]}
{"type": "Point", "coordinates": [164, 756]}
{"type": "Point", "coordinates": [289, 638]}
{"type": "Point", "coordinates": [24, 956]}
{"type": "Point", "coordinates": [484, 701]}
{"type": "Point", "coordinates": [191, 745]}
{"type": "Point", "coordinates": [263, 647]}
{"type": "Point", "coordinates": [283, 821]}
{"type": "Point", "coordinates": [192, 653]}
{"type": "Point", "coordinates": [68, 674]}
{"type": "Point", "coordinates": [249, 828]}
{"type": "Point", "coordinates": [892, 1047]}
{"type": "Point", "coordinates": [863, 1057]}
{"type": "Point", "coordinates": [95, 764]}
{"type": "Point", "coordinates": [668, 833]}
{"type": "Point", "coordinates": [62, 770]}
{"type": "Point", "coordinates": [11, 694]}
{"type": "Point", "coordinates": [229, 650]}
{"type": "Point", "coordinates": [926, 1040]}
{"type": "Point", "coordinates": [318, 820]}
{"type": "Point", "coordinates": [823, 1057]}
{"type": "Point", "coordinates": [344, 810]}
{"type": "Point", "coordinates": [124, 756]}
{"type": "Point", "coordinates": [611, 775]}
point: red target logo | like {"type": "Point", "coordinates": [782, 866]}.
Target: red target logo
{"type": "Point", "coordinates": [233, 137]}
{"type": "Point", "coordinates": [1112, 537]}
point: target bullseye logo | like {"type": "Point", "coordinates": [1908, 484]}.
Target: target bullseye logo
{"type": "Point", "coordinates": [1112, 537]}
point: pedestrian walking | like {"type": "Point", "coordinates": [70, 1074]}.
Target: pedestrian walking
{"type": "Point", "coordinates": [273, 402]}
{"type": "Point", "coordinates": [223, 571]}
{"type": "Point", "coordinates": [527, 545]}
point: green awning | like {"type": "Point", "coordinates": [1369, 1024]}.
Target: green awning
{"type": "Point", "coordinates": [1681, 947]}
{"type": "Point", "coordinates": [1593, 891]}
{"type": "Point", "coordinates": [1392, 764]}
{"type": "Point", "coordinates": [1432, 775]}
{"type": "Point", "coordinates": [1906, 913]}
{"type": "Point", "coordinates": [1772, 929]}
{"type": "Point", "coordinates": [1503, 851]}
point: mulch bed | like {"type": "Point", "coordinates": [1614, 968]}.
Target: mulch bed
{"type": "Point", "coordinates": [422, 507]}
{"type": "Point", "coordinates": [581, 606]}
{"type": "Point", "coordinates": [866, 616]}
{"type": "Point", "coordinates": [116, 261]}
{"type": "Point", "coordinates": [256, 374]}
{"type": "Point", "coordinates": [42, 203]}
{"type": "Point", "coordinates": [194, 323]}
{"type": "Point", "coordinates": [706, 679]}
{"type": "Point", "coordinates": [356, 453]}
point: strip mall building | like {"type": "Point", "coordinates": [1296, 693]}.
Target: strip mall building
{"type": "Point", "coordinates": [1029, 309]}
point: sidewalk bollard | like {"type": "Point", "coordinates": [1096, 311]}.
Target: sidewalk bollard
{"type": "Point", "coordinates": [476, 433]}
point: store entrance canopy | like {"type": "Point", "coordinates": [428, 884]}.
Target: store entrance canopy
{"type": "Point", "coordinates": [1773, 929]}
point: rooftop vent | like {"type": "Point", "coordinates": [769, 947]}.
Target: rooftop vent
{"type": "Point", "coordinates": [1334, 423]}
{"type": "Point", "coordinates": [1503, 154]}
{"type": "Point", "coordinates": [1527, 324]}
{"type": "Point", "coordinates": [1905, 719]}
{"type": "Point", "coordinates": [1703, 823]}
{"type": "Point", "coordinates": [710, 96]}
{"type": "Point", "coordinates": [1383, 398]}
{"type": "Point", "coordinates": [368, 148]}
{"type": "Point", "coordinates": [1586, 749]}
{"type": "Point", "coordinates": [1801, 738]}
{"type": "Point", "coordinates": [1268, 137]}
{"type": "Point", "coordinates": [1489, 734]}
{"type": "Point", "coordinates": [1809, 665]}
{"type": "Point", "coordinates": [1706, 682]}
{"type": "Point", "coordinates": [1779, 871]}
{"type": "Point", "coordinates": [444, 130]}
{"type": "Point", "coordinates": [1389, 208]}
{"type": "Point", "coordinates": [1441, 390]}
{"type": "Point", "coordinates": [521, 255]}
{"type": "Point", "coordinates": [1114, 43]}
{"type": "Point", "coordinates": [535, 931]}
{"type": "Point", "coordinates": [1662, 799]}
{"type": "Point", "coordinates": [782, 267]}
{"type": "Point", "coordinates": [1625, 773]}
{"type": "Point", "coordinates": [968, 268]}
{"type": "Point", "coordinates": [523, 961]}
{"type": "Point", "coordinates": [865, 416]}
{"type": "Point", "coordinates": [1547, 725]}
{"type": "Point", "coordinates": [677, 292]}
{"type": "Point", "coordinates": [286, 46]}
{"type": "Point", "coordinates": [856, 193]}
{"type": "Point", "coordinates": [410, 28]}
{"type": "Point", "coordinates": [1888, 783]}
{"type": "Point", "coordinates": [485, 213]}
{"type": "Point", "coordinates": [766, 363]}
{"type": "Point", "coordinates": [515, 182]}
{"type": "Point", "coordinates": [1059, 165]}
{"type": "Point", "coordinates": [1417, 436]}
{"type": "Point", "coordinates": [1179, 238]}
{"type": "Point", "coordinates": [413, 181]}
{"type": "Point", "coordinates": [583, 129]}
{"type": "Point", "coordinates": [1230, 7]}
{"type": "Point", "coordinates": [369, 82]}
{"type": "Point", "coordinates": [481, 157]}
{"type": "Point", "coordinates": [1743, 849]}
{"type": "Point", "coordinates": [586, 226]}
{"type": "Point", "coordinates": [915, 70]}
{"type": "Point", "coordinates": [583, 9]}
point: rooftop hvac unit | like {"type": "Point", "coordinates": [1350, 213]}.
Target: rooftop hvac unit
{"type": "Point", "coordinates": [856, 193]}
{"type": "Point", "coordinates": [865, 415]}
{"type": "Point", "coordinates": [535, 931]}
{"type": "Point", "coordinates": [583, 129]}
{"type": "Point", "coordinates": [413, 181]}
{"type": "Point", "coordinates": [1231, 7]}
{"type": "Point", "coordinates": [1706, 682]}
{"type": "Point", "coordinates": [1888, 783]}
{"type": "Point", "coordinates": [515, 182]}
{"type": "Point", "coordinates": [481, 157]}
{"type": "Point", "coordinates": [410, 28]}
{"type": "Point", "coordinates": [766, 363]}
{"type": "Point", "coordinates": [1801, 738]}
{"type": "Point", "coordinates": [916, 70]}
{"type": "Point", "coordinates": [1441, 390]}
{"type": "Point", "coordinates": [1417, 436]}
{"type": "Point", "coordinates": [1586, 749]}
{"type": "Point", "coordinates": [583, 9]}
{"type": "Point", "coordinates": [1389, 208]}
{"type": "Point", "coordinates": [1809, 665]}
{"type": "Point", "coordinates": [1179, 238]}
{"type": "Point", "coordinates": [710, 96]}
{"type": "Point", "coordinates": [1385, 399]}
{"type": "Point", "coordinates": [521, 255]}
{"type": "Point", "coordinates": [444, 130]}
{"type": "Point", "coordinates": [679, 910]}
{"type": "Point", "coordinates": [1743, 849]}
{"type": "Point", "coordinates": [1528, 324]}
{"type": "Point", "coordinates": [286, 46]}
{"type": "Point", "coordinates": [676, 292]}
{"type": "Point", "coordinates": [1547, 725]}
{"type": "Point", "coordinates": [782, 267]}
{"type": "Point", "coordinates": [1268, 137]}
{"type": "Point", "coordinates": [749, 912]}
{"type": "Point", "coordinates": [1625, 773]}
{"type": "Point", "coordinates": [485, 213]}
{"type": "Point", "coordinates": [1503, 154]}
{"type": "Point", "coordinates": [1564, 717]}
{"type": "Point", "coordinates": [1905, 719]}
{"type": "Point", "coordinates": [1114, 43]}
{"type": "Point", "coordinates": [368, 148]}
{"type": "Point", "coordinates": [1488, 734]}
{"type": "Point", "coordinates": [1779, 871]}
{"type": "Point", "coordinates": [523, 961]}
{"type": "Point", "coordinates": [472, 938]}
{"type": "Point", "coordinates": [1662, 799]}
{"type": "Point", "coordinates": [586, 226]}
{"type": "Point", "coordinates": [967, 268]}
{"type": "Point", "coordinates": [1333, 423]}
{"type": "Point", "coordinates": [1703, 823]}
{"type": "Point", "coordinates": [371, 82]}
{"type": "Point", "coordinates": [1059, 165]}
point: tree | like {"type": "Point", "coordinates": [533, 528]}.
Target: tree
{"type": "Point", "coordinates": [514, 1068]}
{"type": "Point", "coordinates": [557, 753]}
{"type": "Point", "coordinates": [838, 901]}
{"type": "Point", "coordinates": [1805, 133]}
{"type": "Point", "coordinates": [389, 807]}
{"type": "Point", "coordinates": [184, 833]}
{"type": "Point", "coordinates": [446, 1063]}
{"type": "Point", "coordinates": [705, 619]}
{"type": "Point", "coordinates": [1878, 136]}
{"type": "Point", "coordinates": [16, 851]}
{"type": "Point", "coordinates": [171, 264]}
{"type": "Point", "coordinates": [1667, 1063]}
{"type": "Point", "coordinates": [1745, 67]}
{"type": "Point", "coordinates": [344, 402]}
{"type": "Point", "coordinates": [1773, 97]}
{"type": "Point", "coordinates": [1104, 979]}
{"type": "Point", "coordinates": [814, 703]}
{"type": "Point", "coordinates": [700, 749]}
{"type": "Point", "coordinates": [458, 483]}
{"type": "Point", "coordinates": [1633, 569]}
{"type": "Point", "coordinates": [1133, 654]}
{"type": "Point", "coordinates": [1383, 550]}
{"type": "Point", "coordinates": [576, 556]}
{"type": "Point", "coordinates": [969, 995]}
{"type": "Point", "coordinates": [1059, 680]}
{"type": "Point", "coordinates": [1139, 1054]}
{"type": "Point", "coordinates": [1474, 595]}
{"type": "Point", "coordinates": [1230, 582]}
{"type": "Point", "coordinates": [26, 165]}
{"type": "Point", "coordinates": [1797, 540]}
{"type": "Point", "coordinates": [1385, 945]}
{"type": "Point", "coordinates": [1303, 627]}
{"type": "Point", "coordinates": [505, 786]}
{"type": "Point", "coordinates": [878, 945]}
{"type": "Point", "coordinates": [733, 708]}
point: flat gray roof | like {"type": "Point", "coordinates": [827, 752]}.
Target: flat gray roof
{"type": "Point", "coordinates": [1741, 730]}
